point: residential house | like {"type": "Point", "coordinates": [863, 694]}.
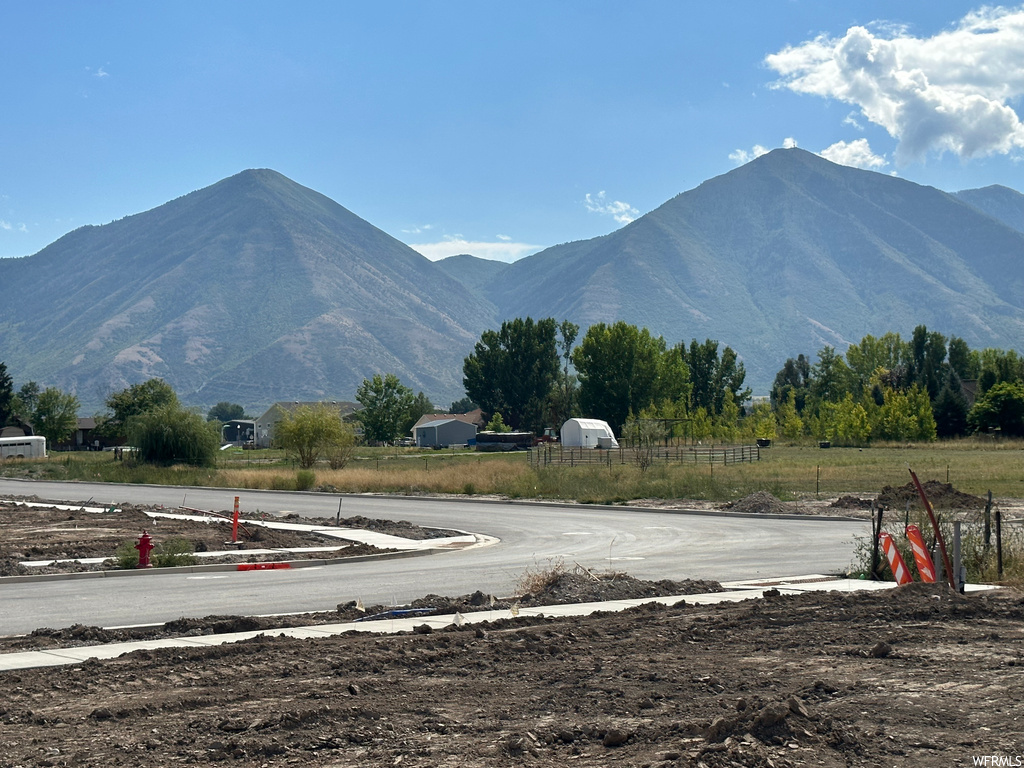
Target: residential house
{"type": "Point", "coordinates": [265, 423]}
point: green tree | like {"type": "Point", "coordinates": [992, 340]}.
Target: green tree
{"type": "Point", "coordinates": [497, 424]}
{"type": "Point", "coordinates": [852, 422]}
{"type": "Point", "coordinates": [339, 452]}
{"type": "Point", "coordinates": [760, 422]}
{"type": "Point", "coordinates": [563, 400]}
{"type": "Point", "coordinates": [950, 408]}
{"type": "Point", "coordinates": [727, 419]}
{"type": "Point", "coordinates": [311, 431]}
{"type": "Point", "coordinates": [56, 415]}
{"type": "Point", "coordinates": [964, 362]}
{"type": "Point", "coordinates": [512, 370]}
{"type": "Point", "coordinates": [618, 367]}
{"type": "Point", "coordinates": [928, 353]}
{"type": "Point", "coordinates": [224, 412]}
{"type": "Point", "coordinates": [420, 406]}
{"type": "Point", "coordinates": [465, 405]}
{"type": "Point", "coordinates": [888, 352]}
{"type": "Point", "coordinates": [790, 423]}
{"type": "Point", "coordinates": [712, 375]}
{"type": "Point", "coordinates": [386, 404]}
{"type": "Point", "coordinates": [1002, 408]}
{"type": "Point", "coordinates": [23, 404]}
{"type": "Point", "coordinates": [999, 365]}
{"type": "Point", "coordinates": [794, 378]}
{"type": "Point", "coordinates": [563, 396]}
{"type": "Point", "coordinates": [830, 377]}
{"type": "Point", "coordinates": [905, 416]}
{"type": "Point", "coordinates": [170, 434]}
{"type": "Point", "coordinates": [701, 361]}
{"type": "Point", "coordinates": [133, 401]}
{"type": "Point", "coordinates": [6, 395]}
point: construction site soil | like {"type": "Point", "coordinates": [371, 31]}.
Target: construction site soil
{"type": "Point", "coordinates": [64, 535]}
{"type": "Point", "coordinates": [916, 676]}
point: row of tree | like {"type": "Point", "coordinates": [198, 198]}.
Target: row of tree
{"type": "Point", "coordinates": [522, 371]}
{"type": "Point", "coordinates": [49, 412]}
{"type": "Point", "coordinates": [891, 388]}
{"type": "Point", "coordinates": [531, 374]}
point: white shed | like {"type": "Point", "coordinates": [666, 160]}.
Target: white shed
{"type": "Point", "coordinates": [587, 433]}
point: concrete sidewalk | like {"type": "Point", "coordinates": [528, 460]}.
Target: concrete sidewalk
{"type": "Point", "coordinates": [736, 591]}
{"type": "Point", "coordinates": [345, 537]}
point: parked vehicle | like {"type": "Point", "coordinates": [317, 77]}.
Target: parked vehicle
{"type": "Point", "coordinates": [27, 447]}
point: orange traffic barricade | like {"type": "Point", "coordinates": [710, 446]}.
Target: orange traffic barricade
{"type": "Point", "coordinates": [896, 564]}
{"type": "Point", "coordinates": [921, 557]}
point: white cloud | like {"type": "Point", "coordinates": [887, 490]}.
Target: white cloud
{"type": "Point", "coordinates": [742, 156]}
{"type": "Point", "coordinates": [857, 154]}
{"type": "Point", "coordinates": [418, 230]}
{"type": "Point", "coordinates": [851, 119]}
{"type": "Point", "coordinates": [622, 212]}
{"type": "Point", "coordinates": [789, 143]}
{"type": "Point", "coordinates": [504, 238]}
{"type": "Point", "coordinates": [504, 250]}
{"type": "Point", "coordinates": [5, 224]}
{"type": "Point", "coordinates": [946, 93]}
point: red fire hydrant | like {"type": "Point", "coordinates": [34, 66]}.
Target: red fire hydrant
{"type": "Point", "coordinates": [145, 546]}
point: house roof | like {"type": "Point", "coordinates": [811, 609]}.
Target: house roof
{"type": "Point", "coordinates": [473, 417]}
{"type": "Point", "coordinates": [439, 422]}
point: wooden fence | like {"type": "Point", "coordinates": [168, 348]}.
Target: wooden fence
{"type": "Point", "coordinates": [546, 455]}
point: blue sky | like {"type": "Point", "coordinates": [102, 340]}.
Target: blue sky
{"type": "Point", "coordinates": [484, 127]}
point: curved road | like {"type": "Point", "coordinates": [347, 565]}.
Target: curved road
{"type": "Point", "coordinates": [646, 544]}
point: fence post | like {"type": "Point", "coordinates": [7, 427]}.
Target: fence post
{"type": "Point", "coordinates": [988, 520]}
{"type": "Point", "coordinates": [958, 580]}
{"type": "Point", "coordinates": [875, 530]}
{"type": "Point", "coordinates": [999, 544]}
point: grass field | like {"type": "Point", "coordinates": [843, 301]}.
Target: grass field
{"type": "Point", "coordinates": [787, 471]}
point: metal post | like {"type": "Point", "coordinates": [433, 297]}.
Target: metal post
{"type": "Point", "coordinates": [958, 579]}
{"type": "Point", "coordinates": [999, 544]}
{"type": "Point", "coordinates": [875, 529]}
{"type": "Point", "coordinates": [988, 521]}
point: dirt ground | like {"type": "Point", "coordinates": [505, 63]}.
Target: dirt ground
{"type": "Point", "coordinates": [38, 533]}
{"type": "Point", "coordinates": [918, 676]}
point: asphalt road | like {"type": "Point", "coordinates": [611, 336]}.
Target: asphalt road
{"type": "Point", "coordinates": [645, 544]}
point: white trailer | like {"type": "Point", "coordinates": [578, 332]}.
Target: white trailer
{"type": "Point", "coordinates": [27, 447]}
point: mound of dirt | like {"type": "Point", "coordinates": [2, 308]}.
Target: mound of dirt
{"type": "Point", "coordinates": [941, 496]}
{"type": "Point", "coordinates": [852, 502]}
{"type": "Point", "coordinates": [760, 503]}
{"type": "Point", "coordinates": [559, 587]}
{"type": "Point", "coordinates": [580, 586]}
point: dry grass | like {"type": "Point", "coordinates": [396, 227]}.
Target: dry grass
{"type": "Point", "coordinates": [470, 478]}
{"type": "Point", "coordinates": [539, 579]}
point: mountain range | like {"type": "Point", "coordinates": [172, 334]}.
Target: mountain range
{"type": "Point", "coordinates": [257, 289]}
